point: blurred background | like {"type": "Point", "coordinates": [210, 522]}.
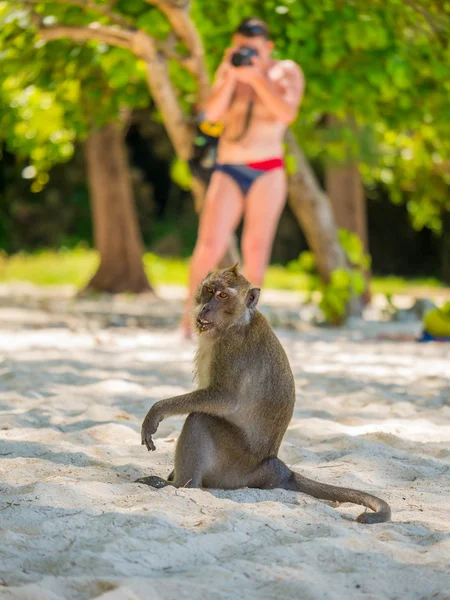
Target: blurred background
{"type": "Point", "coordinates": [96, 106]}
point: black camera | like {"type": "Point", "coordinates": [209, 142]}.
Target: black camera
{"type": "Point", "coordinates": [243, 56]}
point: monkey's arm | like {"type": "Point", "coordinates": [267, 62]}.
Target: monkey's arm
{"type": "Point", "coordinates": [206, 400]}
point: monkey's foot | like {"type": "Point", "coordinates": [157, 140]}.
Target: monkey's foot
{"type": "Point", "coordinates": [153, 481]}
{"type": "Point", "coordinates": [369, 518]}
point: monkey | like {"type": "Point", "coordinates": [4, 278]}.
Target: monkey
{"type": "Point", "coordinates": [239, 413]}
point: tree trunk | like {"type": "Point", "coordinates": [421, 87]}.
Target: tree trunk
{"type": "Point", "coordinates": [346, 192]}
{"type": "Point", "coordinates": [312, 208]}
{"type": "Point", "coordinates": [116, 230]}
{"type": "Point", "coordinates": [180, 132]}
{"type": "Point", "coordinates": [446, 247]}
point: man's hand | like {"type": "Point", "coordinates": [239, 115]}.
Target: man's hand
{"type": "Point", "coordinates": [226, 71]}
{"type": "Point", "coordinates": [226, 60]}
{"type": "Point", "coordinates": [249, 74]}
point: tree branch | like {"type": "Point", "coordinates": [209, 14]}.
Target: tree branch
{"type": "Point", "coordinates": [130, 40]}
{"type": "Point", "coordinates": [177, 13]}
{"type": "Point", "coordinates": [99, 33]}
{"type": "Point", "coordinates": [164, 94]}
{"type": "Point", "coordinates": [178, 17]}
{"type": "Point", "coordinates": [174, 4]}
{"type": "Point", "coordinates": [168, 48]}
{"type": "Point", "coordinates": [105, 10]}
{"type": "Point", "coordinates": [428, 18]}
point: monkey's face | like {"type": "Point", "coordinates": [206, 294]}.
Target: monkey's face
{"type": "Point", "coordinates": [217, 307]}
{"type": "Point", "coordinates": [224, 299]}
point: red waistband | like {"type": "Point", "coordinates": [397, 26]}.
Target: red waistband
{"type": "Point", "coordinates": [267, 165]}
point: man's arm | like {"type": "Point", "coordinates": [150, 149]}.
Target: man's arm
{"type": "Point", "coordinates": [222, 91]}
{"type": "Point", "coordinates": [281, 97]}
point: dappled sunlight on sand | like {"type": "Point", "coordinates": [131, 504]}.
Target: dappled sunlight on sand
{"type": "Point", "coordinates": [74, 525]}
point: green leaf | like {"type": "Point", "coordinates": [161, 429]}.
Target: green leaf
{"type": "Point", "coordinates": [181, 174]}
{"type": "Point", "coordinates": [307, 262]}
{"type": "Point", "coordinates": [340, 279]}
{"type": "Point", "coordinates": [291, 164]}
{"type": "Point", "coordinates": [358, 283]}
{"type": "Point", "coordinates": [332, 305]}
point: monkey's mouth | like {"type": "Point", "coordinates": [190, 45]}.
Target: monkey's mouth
{"type": "Point", "coordinates": [204, 325]}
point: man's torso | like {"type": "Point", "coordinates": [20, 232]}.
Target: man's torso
{"type": "Point", "coordinates": [264, 136]}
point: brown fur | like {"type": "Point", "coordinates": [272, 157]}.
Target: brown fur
{"type": "Point", "coordinates": [239, 414]}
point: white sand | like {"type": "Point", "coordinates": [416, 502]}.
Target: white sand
{"type": "Point", "coordinates": [74, 525]}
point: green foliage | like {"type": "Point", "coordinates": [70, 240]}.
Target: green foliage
{"type": "Point", "coordinates": [153, 22]}
{"type": "Point", "coordinates": [414, 167]}
{"type": "Point", "coordinates": [51, 93]}
{"type": "Point", "coordinates": [354, 249]}
{"type": "Point", "coordinates": [344, 284]}
{"type": "Point", "coordinates": [437, 321]}
{"type": "Point", "coordinates": [181, 174]}
{"type": "Point", "coordinates": [305, 263]}
{"type": "Point", "coordinates": [76, 266]}
{"type": "Point", "coordinates": [291, 164]}
{"type": "Point", "coordinates": [49, 267]}
{"type": "Point", "coordinates": [382, 68]}
{"type": "Point", "coordinates": [33, 124]}
{"type": "Point", "coordinates": [335, 295]}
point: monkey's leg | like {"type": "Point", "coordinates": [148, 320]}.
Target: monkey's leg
{"type": "Point", "coordinates": [271, 473]}
{"type": "Point", "coordinates": [195, 451]}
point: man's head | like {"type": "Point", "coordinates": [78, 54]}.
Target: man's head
{"type": "Point", "coordinates": [254, 32]}
{"type": "Point", "coordinates": [223, 299]}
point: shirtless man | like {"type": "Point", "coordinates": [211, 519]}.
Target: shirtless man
{"type": "Point", "coordinates": [255, 103]}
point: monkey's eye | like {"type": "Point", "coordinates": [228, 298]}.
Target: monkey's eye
{"type": "Point", "coordinates": [210, 290]}
{"type": "Point", "coordinates": [223, 295]}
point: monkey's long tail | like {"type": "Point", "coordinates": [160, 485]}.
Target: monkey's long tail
{"type": "Point", "coordinates": [323, 491]}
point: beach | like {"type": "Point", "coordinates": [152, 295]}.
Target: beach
{"type": "Point", "coordinates": [370, 414]}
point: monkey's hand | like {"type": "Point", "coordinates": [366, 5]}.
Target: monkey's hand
{"type": "Point", "coordinates": [150, 426]}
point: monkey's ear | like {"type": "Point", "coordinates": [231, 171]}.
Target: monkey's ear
{"type": "Point", "coordinates": [252, 297]}
{"type": "Point", "coordinates": [234, 269]}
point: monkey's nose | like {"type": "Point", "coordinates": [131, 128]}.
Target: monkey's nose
{"type": "Point", "coordinates": [204, 312]}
